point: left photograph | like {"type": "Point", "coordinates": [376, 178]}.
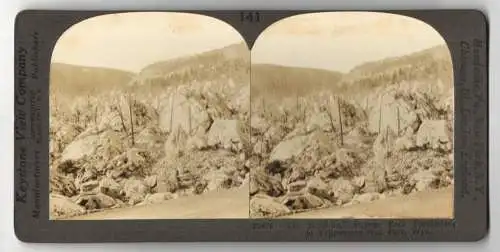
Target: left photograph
{"type": "Point", "coordinates": [149, 119]}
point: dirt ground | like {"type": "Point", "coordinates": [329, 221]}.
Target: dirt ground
{"type": "Point", "coordinates": [234, 204]}
{"type": "Point", "coordinates": [430, 204]}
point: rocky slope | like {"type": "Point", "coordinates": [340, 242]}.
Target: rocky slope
{"type": "Point", "coordinates": [344, 147]}
{"type": "Point", "coordinates": [139, 146]}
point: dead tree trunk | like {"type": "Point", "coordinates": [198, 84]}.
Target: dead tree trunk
{"type": "Point", "coordinates": [172, 112]}
{"type": "Point", "coordinates": [122, 119]}
{"type": "Point", "coordinates": [189, 118]}
{"type": "Point", "coordinates": [329, 114]}
{"type": "Point", "coordinates": [340, 123]}
{"type": "Point", "coordinates": [297, 108]}
{"type": "Point", "coordinates": [304, 108]}
{"type": "Point", "coordinates": [399, 125]}
{"type": "Point", "coordinates": [380, 116]}
{"type": "Point", "coordinates": [158, 105]}
{"type": "Point", "coordinates": [387, 140]}
{"type": "Point", "coordinates": [130, 110]}
{"type": "Point", "coordinates": [263, 105]}
{"type": "Point", "coordinates": [95, 114]}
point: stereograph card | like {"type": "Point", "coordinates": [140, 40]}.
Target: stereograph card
{"type": "Point", "coordinates": [152, 126]}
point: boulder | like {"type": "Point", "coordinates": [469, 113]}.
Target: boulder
{"type": "Point", "coordinates": [434, 134]}
{"type": "Point", "coordinates": [342, 190]}
{"type": "Point", "coordinates": [64, 133]}
{"type": "Point", "coordinates": [375, 177]}
{"type": "Point", "coordinates": [198, 187]}
{"type": "Point", "coordinates": [275, 167]}
{"type": "Point", "coordinates": [321, 121]}
{"type": "Point", "coordinates": [259, 124]}
{"type": "Point", "coordinates": [134, 159]}
{"type": "Point", "coordinates": [84, 175]}
{"type": "Point", "coordinates": [149, 138]}
{"type": "Point", "coordinates": [358, 182]}
{"type": "Point", "coordinates": [135, 190]}
{"type": "Point", "coordinates": [158, 198]}
{"type": "Point", "coordinates": [111, 120]}
{"type": "Point", "coordinates": [104, 144]}
{"type": "Point", "coordinates": [303, 201]}
{"type": "Point", "coordinates": [151, 181]}
{"type": "Point", "coordinates": [289, 148]}
{"type": "Point", "coordinates": [322, 143]}
{"type": "Point", "coordinates": [317, 187]}
{"type": "Point", "coordinates": [312, 201]}
{"type": "Point", "coordinates": [66, 166]}
{"type": "Point", "coordinates": [274, 134]}
{"type": "Point", "coordinates": [111, 188]}
{"type": "Point", "coordinates": [167, 181]}
{"type": "Point", "coordinates": [197, 142]}
{"type": "Point", "coordinates": [104, 201]}
{"type": "Point", "coordinates": [260, 148]}
{"type": "Point", "coordinates": [186, 179]}
{"type": "Point", "coordinates": [61, 206]}
{"type": "Point", "coordinates": [185, 114]}
{"type": "Point", "coordinates": [405, 143]}
{"type": "Point", "coordinates": [95, 201]}
{"type": "Point", "coordinates": [81, 148]}
{"type": "Point", "coordinates": [296, 186]}
{"type": "Point", "coordinates": [117, 174]}
{"type": "Point", "coordinates": [348, 162]}
{"type": "Point", "coordinates": [296, 175]}
{"type": "Point", "coordinates": [425, 180]}
{"type": "Point", "coordinates": [245, 182]}
{"type": "Point", "coordinates": [262, 182]}
{"type": "Point", "coordinates": [62, 185]}
{"type": "Point", "coordinates": [265, 206]}
{"type": "Point", "coordinates": [253, 186]}
{"type": "Point", "coordinates": [217, 179]}
{"type": "Point", "coordinates": [240, 99]}
{"type": "Point", "coordinates": [89, 186]}
{"type": "Point", "coordinates": [390, 112]}
{"type": "Point", "coordinates": [366, 197]}
{"type": "Point", "coordinates": [228, 134]}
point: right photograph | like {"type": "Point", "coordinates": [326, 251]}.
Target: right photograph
{"type": "Point", "coordinates": [351, 117]}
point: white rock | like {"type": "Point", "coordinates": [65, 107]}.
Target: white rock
{"type": "Point", "coordinates": [289, 148]}
{"type": "Point", "coordinates": [183, 113]}
{"type": "Point", "coordinates": [227, 133]}
{"type": "Point", "coordinates": [434, 134]}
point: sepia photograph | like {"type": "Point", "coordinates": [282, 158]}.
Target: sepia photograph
{"type": "Point", "coordinates": [149, 119]}
{"type": "Point", "coordinates": [329, 115]}
{"type": "Point", "coordinates": [351, 117]}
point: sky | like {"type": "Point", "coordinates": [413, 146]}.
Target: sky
{"type": "Point", "coordinates": [333, 41]}
{"type": "Point", "coordinates": [340, 41]}
{"type": "Point", "coordinates": [131, 41]}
